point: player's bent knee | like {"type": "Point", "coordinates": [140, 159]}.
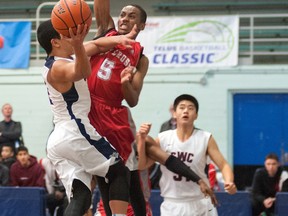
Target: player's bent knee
{"type": "Point", "coordinates": [81, 200]}
{"type": "Point", "coordinates": [119, 179]}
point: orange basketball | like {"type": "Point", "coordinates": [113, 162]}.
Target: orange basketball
{"type": "Point", "coordinates": [68, 14]}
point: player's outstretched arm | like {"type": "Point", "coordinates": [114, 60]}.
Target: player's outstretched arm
{"type": "Point", "coordinates": [217, 157]}
{"type": "Point", "coordinates": [104, 44]}
{"type": "Point", "coordinates": [174, 164]}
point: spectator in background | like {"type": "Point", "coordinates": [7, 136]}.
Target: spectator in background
{"type": "Point", "coordinates": [169, 124]}
{"type": "Point", "coordinates": [215, 177]}
{"type": "Point", "coordinates": [56, 199]}
{"type": "Point", "coordinates": [26, 171]}
{"type": "Point", "coordinates": [211, 174]}
{"type": "Point", "coordinates": [4, 175]}
{"type": "Point", "coordinates": [10, 131]}
{"type": "Point", "coordinates": [8, 156]}
{"type": "Point", "coordinates": [267, 181]}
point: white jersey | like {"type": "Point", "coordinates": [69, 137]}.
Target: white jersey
{"type": "Point", "coordinates": [183, 197]}
{"type": "Point", "coordinates": [193, 153]}
{"type": "Point", "coordinates": [75, 148]}
{"type": "Point", "coordinates": [75, 104]}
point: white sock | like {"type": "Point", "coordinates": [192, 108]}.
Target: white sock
{"type": "Point", "coordinates": [118, 214]}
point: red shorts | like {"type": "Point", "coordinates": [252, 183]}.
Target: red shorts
{"type": "Point", "coordinates": [101, 212]}
{"type": "Point", "coordinates": [116, 124]}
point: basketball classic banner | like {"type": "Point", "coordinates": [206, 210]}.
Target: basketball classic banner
{"type": "Point", "coordinates": [15, 40]}
{"type": "Point", "coordinates": [191, 41]}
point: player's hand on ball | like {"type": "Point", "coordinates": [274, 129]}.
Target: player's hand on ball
{"type": "Point", "coordinates": [76, 39]}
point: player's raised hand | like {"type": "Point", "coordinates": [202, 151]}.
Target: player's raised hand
{"type": "Point", "coordinates": [126, 41]}
{"type": "Point", "coordinates": [144, 129]}
{"type": "Point", "coordinates": [77, 39]}
{"type": "Point", "coordinates": [127, 74]}
{"type": "Point", "coordinates": [133, 33]}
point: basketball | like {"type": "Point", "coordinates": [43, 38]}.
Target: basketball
{"type": "Point", "coordinates": [68, 14]}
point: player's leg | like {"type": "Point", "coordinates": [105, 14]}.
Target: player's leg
{"type": "Point", "coordinates": [115, 191]}
{"type": "Point", "coordinates": [137, 199]}
{"type": "Point", "coordinates": [104, 191]}
{"type": "Point", "coordinates": [80, 200]}
{"type": "Point", "coordinates": [118, 179]}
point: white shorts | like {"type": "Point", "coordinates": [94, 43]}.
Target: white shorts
{"type": "Point", "coordinates": [132, 161]}
{"type": "Point", "coordinates": [75, 157]}
{"type": "Point", "coordinates": [202, 207]}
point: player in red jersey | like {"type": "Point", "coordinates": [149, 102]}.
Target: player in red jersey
{"type": "Point", "coordinates": [118, 76]}
{"type": "Point", "coordinates": [146, 187]}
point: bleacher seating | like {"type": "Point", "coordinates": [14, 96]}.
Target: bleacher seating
{"type": "Point", "coordinates": [19, 9]}
{"type": "Point", "coordinates": [281, 206]}
{"type": "Point", "coordinates": [262, 35]}
{"type": "Point", "coordinates": [31, 201]}
{"type": "Point", "coordinates": [22, 201]}
{"type": "Point", "coordinates": [226, 7]}
{"type": "Point", "coordinates": [238, 204]}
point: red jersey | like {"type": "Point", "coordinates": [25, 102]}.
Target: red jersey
{"type": "Point", "coordinates": [107, 115]}
{"type": "Point", "coordinates": [104, 81]}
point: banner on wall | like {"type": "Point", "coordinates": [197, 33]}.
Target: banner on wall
{"type": "Point", "coordinates": [191, 41]}
{"type": "Point", "coordinates": [15, 40]}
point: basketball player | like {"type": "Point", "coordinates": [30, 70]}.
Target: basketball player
{"type": "Point", "coordinates": [109, 87]}
{"type": "Point", "coordinates": [193, 146]}
{"type": "Point", "coordinates": [146, 188]}
{"type": "Point", "coordinates": [75, 147]}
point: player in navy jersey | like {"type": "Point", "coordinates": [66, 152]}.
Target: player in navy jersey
{"type": "Point", "coordinates": [74, 147]}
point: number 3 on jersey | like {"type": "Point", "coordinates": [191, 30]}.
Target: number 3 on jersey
{"type": "Point", "coordinates": [106, 69]}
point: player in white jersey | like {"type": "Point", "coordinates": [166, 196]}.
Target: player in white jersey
{"type": "Point", "coordinates": [181, 196]}
{"type": "Point", "coordinates": [74, 147]}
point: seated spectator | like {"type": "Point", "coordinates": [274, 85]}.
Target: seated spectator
{"type": "Point", "coordinates": [283, 183]}
{"type": "Point", "coordinates": [26, 171]}
{"type": "Point", "coordinates": [215, 177]}
{"type": "Point", "coordinates": [212, 176]}
{"type": "Point", "coordinates": [4, 175]}
{"type": "Point", "coordinates": [7, 154]}
{"type": "Point", "coordinates": [170, 124]}
{"type": "Point", "coordinates": [266, 183]}
{"type": "Point", "coordinates": [10, 131]}
{"type": "Point", "coordinates": [56, 200]}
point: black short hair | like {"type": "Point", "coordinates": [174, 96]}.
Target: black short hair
{"type": "Point", "coordinates": [45, 33]}
{"type": "Point", "coordinates": [22, 148]}
{"type": "Point", "coordinates": [143, 14]}
{"type": "Point", "coordinates": [188, 98]}
{"type": "Point", "coordinates": [272, 156]}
